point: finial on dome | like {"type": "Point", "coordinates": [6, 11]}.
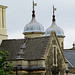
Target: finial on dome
{"type": "Point", "coordinates": [33, 12]}
{"type": "Point", "coordinates": [54, 9]}
{"type": "Point", "coordinates": [73, 44]}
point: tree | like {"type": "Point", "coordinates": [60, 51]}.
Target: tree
{"type": "Point", "coordinates": [5, 67]}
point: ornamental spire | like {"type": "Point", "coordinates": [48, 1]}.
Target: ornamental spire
{"type": "Point", "coordinates": [54, 9]}
{"type": "Point", "coordinates": [33, 12]}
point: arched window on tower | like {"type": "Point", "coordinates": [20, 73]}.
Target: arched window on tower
{"type": "Point", "coordinates": [62, 45]}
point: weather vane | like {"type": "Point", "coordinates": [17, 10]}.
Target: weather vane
{"type": "Point", "coordinates": [54, 9]}
{"type": "Point", "coordinates": [34, 4]}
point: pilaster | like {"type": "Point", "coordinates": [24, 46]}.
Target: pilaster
{"type": "Point", "coordinates": [0, 17]}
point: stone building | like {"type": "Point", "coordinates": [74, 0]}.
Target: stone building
{"type": "Point", "coordinates": [40, 53]}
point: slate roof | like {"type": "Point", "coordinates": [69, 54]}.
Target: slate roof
{"type": "Point", "coordinates": [70, 56]}
{"type": "Point", "coordinates": [34, 47]}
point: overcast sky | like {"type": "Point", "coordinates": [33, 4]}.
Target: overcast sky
{"type": "Point", "coordinates": [19, 13]}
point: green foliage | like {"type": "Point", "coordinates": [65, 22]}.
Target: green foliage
{"type": "Point", "coordinates": [5, 67]}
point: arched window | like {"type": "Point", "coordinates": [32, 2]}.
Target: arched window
{"type": "Point", "coordinates": [54, 55]}
{"type": "Point", "coordinates": [62, 45]}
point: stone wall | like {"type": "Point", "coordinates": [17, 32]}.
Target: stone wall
{"type": "Point", "coordinates": [61, 66]}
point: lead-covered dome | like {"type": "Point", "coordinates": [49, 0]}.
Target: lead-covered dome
{"type": "Point", "coordinates": [33, 26]}
{"type": "Point", "coordinates": [54, 27]}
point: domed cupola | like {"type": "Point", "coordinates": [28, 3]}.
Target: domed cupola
{"type": "Point", "coordinates": [58, 30]}
{"type": "Point", "coordinates": [54, 27]}
{"type": "Point", "coordinates": [33, 28]}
